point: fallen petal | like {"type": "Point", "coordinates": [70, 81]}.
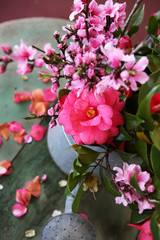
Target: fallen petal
{"type": "Point", "coordinates": [83, 215]}
{"type": "Point", "coordinates": [5, 167]}
{"type": "Point", "coordinates": [4, 131]}
{"type": "Point", "coordinates": [44, 178]}
{"type": "Point", "coordinates": [56, 213]}
{"type": "Point", "coordinates": [38, 108]}
{"type": "Point", "coordinates": [22, 97]}
{"type": "Point", "coordinates": [0, 139]}
{"type": "Point", "coordinates": [19, 210]}
{"type": "Point", "coordinates": [62, 183]}
{"type": "Point", "coordinates": [34, 186]}
{"type": "Point", "coordinates": [30, 233]}
{"type": "Point", "coordinates": [27, 139]}
{"type": "Point", "coordinates": [14, 126]}
{"type": "Point", "coordinates": [37, 132]}
{"type": "Point", "coordinates": [19, 136]}
{"type": "Point", "coordinates": [23, 196]}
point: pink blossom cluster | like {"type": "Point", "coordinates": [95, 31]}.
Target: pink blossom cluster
{"type": "Point", "coordinates": [23, 55]}
{"type": "Point", "coordinates": [129, 193]}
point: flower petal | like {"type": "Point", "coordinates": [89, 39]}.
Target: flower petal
{"type": "Point", "coordinates": [19, 210]}
{"type": "Point", "coordinates": [37, 132]}
{"type": "Point", "coordinates": [34, 186]}
{"type": "Point", "coordinates": [4, 131]}
{"type": "Point", "coordinates": [23, 196]}
{"type": "Point", "coordinates": [5, 164]}
{"type": "Point", "coordinates": [48, 95]}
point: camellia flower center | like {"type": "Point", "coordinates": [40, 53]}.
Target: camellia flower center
{"type": "Point", "coordinates": [91, 112]}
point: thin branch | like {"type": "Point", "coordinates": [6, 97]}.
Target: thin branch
{"type": "Point", "coordinates": [142, 44]}
{"type": "Point", "coordinates": [38, 49]}
{"type": "Point", "coordinates": [131, 14]}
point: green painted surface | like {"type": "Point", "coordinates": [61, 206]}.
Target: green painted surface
{"type": "Point", "coordinates": [33, 159]}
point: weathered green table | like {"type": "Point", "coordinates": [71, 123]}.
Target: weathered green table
{"type": "Point", "coordinates": [33, 159]}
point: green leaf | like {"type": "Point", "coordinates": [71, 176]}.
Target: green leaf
{"type": "Point", "coordinates": [152, 26]}
{"type": "Point", "coordinates": [141, 149]}
{"type": "Point", "coordinates": [154, 63]}
{"type": "Point", "coordinates": [137, 17]}
{"type": "Point", "coordinates": [106, 183]}
{"type": "Point", "coordinates": [79, 166]}
{"type": "Point", "coordinates": [155, 229]}
{"type": "Point", "coordinates": [138, 218]}
{"type": "Point", "coordinates": [156, 137]}
{"type": "Point", "coordinates": [154, 79]}
{"type": "Point", "coordinates": [77, 199]}
{"type": "Point", "coordinates": [132, 121]}
{"type": "Point", "coordinates": [144, 108]}
{"type": "Point", "coordinates": [134, 183]}
{"type": "Point", "coordinates": [73, 180]}
{"type": "Point", "coordinates": [63, 92]}
{"type": "Point", "coordinates": [155, 160]}
{"type": "Point", "coordinates": [45, 75]}
{"type": "Point", "coordinates": [87, 155]}
{"type": "Point", "coordinates": [124, 135]}
{"type": "Point", "coordinates": [125, 156]}
{"type": "Point", "coordinates": [133, 30]}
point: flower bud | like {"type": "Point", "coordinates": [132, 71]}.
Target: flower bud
{"type": "Point", "coordinates": [125, 44]}
{"type": "Point", "coordinates": [155, 104]}
{"type": "Point", "coordinates": [6, 49]}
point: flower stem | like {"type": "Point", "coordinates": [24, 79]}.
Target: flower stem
{"type": "Point", "coordinates": [130, 15]}
{"type": "Point", "coordinates": [38, 49]}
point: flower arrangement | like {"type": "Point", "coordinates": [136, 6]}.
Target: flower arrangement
{"type": "Point", "coordinates": [111, 99]}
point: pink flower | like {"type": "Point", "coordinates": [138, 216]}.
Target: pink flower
{"type": "Point", "coordinates": [22, 96]}
{"type": "Point", "coordinates": [27, 139]}
{"type": "Point", "coordinates": [155, 103]}
{"type": "Point", "coordinates": [37, 132]}
{"type": "Point", "coordinates": [48, 49]}
{"type": "Point", "coordinates": [14, 126]}
{"type": "Point", "coordinates": [89, 119]}
{"type": "Point", "coordinates": [54, 88]}
{"type": "Point", "coordinates": [22, 53]}
{"type": "Point", "coordinates": [145, 230]}
{"type": "Point", "coordinates": [136, 71]}
{"type": "Point", "coordinates": [44, 178]}
{"type": "Point", "coordinates": [68, 70]}
{"type": "Point", "coordinates": [39, 62]}
{"type": "Point", "coordinates": [78, 6]}
{"type": "Point", "coordinates": [24, 68]}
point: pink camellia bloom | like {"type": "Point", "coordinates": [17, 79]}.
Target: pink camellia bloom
{"type": "Point", "coordinates": [34, 187]}
{"type": "Point", "coordinates": [19, 210]}
{"type": "Point", "coordinates": [23, 196]}
{"type": "Point", "coordinates": [145, 230]}
{"type": "Point", "coordinates": [89, 119]}
{"type": "Point", "coordinates": [125, 44]}
{"type": "Point", "coordinates": [5, 167]}
{"type": "Point", "coordinates": [37, 132]}
{"type": "Point", "coordinates": [155, 104]}
{"type": "Point", "coordinates": [14, 126]}
{"type": "Point", "coordinates": [22, 96]}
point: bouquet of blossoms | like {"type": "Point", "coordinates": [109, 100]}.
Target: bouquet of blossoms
{"type": "Point", "coordinates": [111, 99]}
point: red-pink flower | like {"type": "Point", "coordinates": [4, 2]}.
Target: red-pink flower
{"type": "Point", "coordinates": [89, 119]}
{"type": "Point", "coordinates": [145, 230]}
{"type": "Point", "coordinates": [49, 95]}
{"type": "Point", "coordinates": [5, 167]}
{"type": "Point", "coordinates": [37, 132]}
{"type": "Point", "coordinates": [155, 103]}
